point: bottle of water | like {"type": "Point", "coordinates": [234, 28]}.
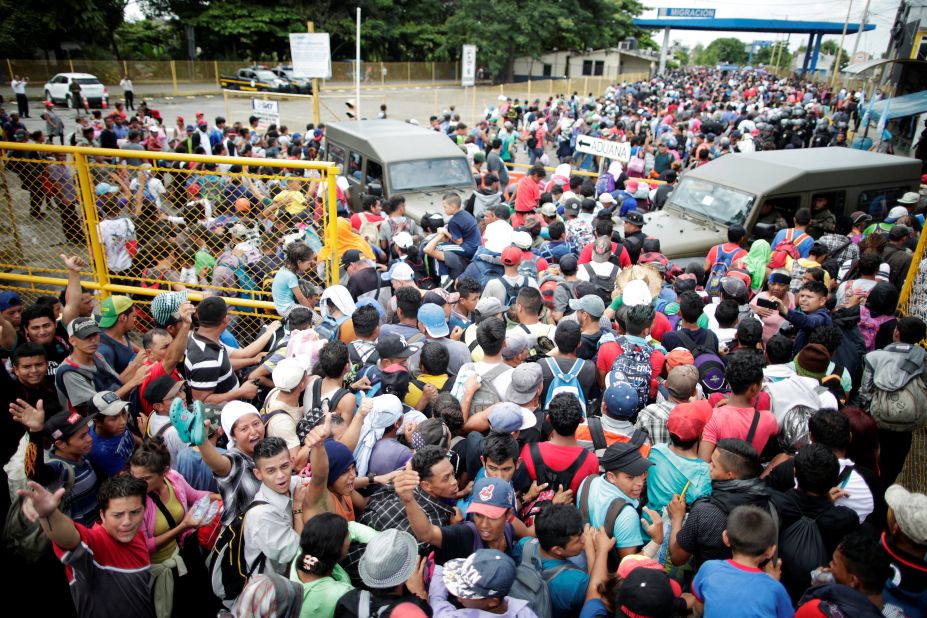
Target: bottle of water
{"type": "Point", "coordinates": [200, 509]}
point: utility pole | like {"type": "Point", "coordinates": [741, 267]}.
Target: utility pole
{"type": "Point", "coordinates": [859, 35]}
{"type": "Point", "coordinates": [316, 112]}
{"type": "Point", "coordinates": [835, 70]}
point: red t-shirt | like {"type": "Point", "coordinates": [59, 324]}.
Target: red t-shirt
{"type": "Point", "coordinates": [624, 260]}
{"type": "Point", "coordinates": [730, 422]}
{"type": "Point", "coordinates": [559, 458]}
{"type": "Point", "coordinates": [156, 370]}
{"type": "Point", "coordinates": [728, 246]}
{"type": "Point", "coordinates": [542, 263]}
{"type": "Point", "coordinates": [608, 352]}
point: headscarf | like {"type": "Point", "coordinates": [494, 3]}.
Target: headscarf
{"type": "Point", "coordinates": [340, 458]}
{"type": "Point", "coordinates": [387, 409]}
{"type": "Point", "coordinates": [756, 261]}
{"type": "Point", "coordinates": [269, 595]}
{"type": "Point", "coordinates": [347, 239]}
{"type": "Point", "coordinates": [341, 297]}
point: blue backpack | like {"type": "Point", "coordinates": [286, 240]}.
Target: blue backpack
{"type": "Point", "coordinates": [330, 327]}
{"type": "Point", "coordinates": [634, 365]}
{"type": "Point", "coordinates": [719, 270]}
{"type": "Point", "coordinates": [565, 382]}
{"type": "Point", "coordinates": [246, 281]}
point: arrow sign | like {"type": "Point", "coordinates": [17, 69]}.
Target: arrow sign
{"type": "Point", "coordinates": [619, 151]}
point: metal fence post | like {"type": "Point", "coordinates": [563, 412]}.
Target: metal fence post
{"type": "Point", "coordinates": [85, 189]}
{"type": "Point", "coordinates": [215, 68]}
{"type": "Point", "coordinates": [409, 71]}
{"type": "Point", "coordinates": [331, 225]}
{"type": "Point", "coordinates": [174, 75]}
{"type": "Point", "coordinates": [14, 225]}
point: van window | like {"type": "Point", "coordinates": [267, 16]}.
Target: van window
{"type": "Point", "coordinates": [836, 201]}
{"type": "Point", "coordinates": [429, 173]}
{"type": "Point", "coordinates": [336, 155]}
{"type": "Point", "coordinates": [785, 205]}
{"type": "Point", "coordinates": [877, 202]}
{"type": "Point", "coordinates": [374, 172]}
{"type": "Point", "coordinates": [708, 199]}
{"type": "Point", "coordinates": [354, 166]}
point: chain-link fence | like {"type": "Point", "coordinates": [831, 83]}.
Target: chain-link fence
{"type": "Point", "coordinates": [147, 222]}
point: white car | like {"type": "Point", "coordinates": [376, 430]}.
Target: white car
{"type": "Point", "coordinates": [57, 89]}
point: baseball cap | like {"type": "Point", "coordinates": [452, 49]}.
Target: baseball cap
{"type": "Point", "coordinates": [83, 328]}
{"type": "Point", "coordinates": [288, 374]}
{"type": "Point", "coordinates": [679, 356]}
{"type": "Point", "coordinates": [624, 457]}
{"type": "Point", "coordinates": [399, 272]}
{"type": "Point", "coordinates": [682, 378]}
{"type": "Point", "coordinates": [112, 308]}
{"type": "Point", "coordinates": [511, 256]}
{"type": "Point", "coordinates": [104, 188]}
{"type": "Point", "coordinates": [190, 127]}
{"type": "Point", "coordinates": [396, 346]}
{"type": "Point", "coordinates": [516, 342]}
{"type": "Point", "coordinates": [548, 210]}
{"type": "Point", "coordinates": [65, 424]}
{"type": "Point", "coordinates": [621, 400]}
{"type": "Point", "coordinates": [447, 297]}
{"type": "Point", "coordinates": [646, 593]}
{"type": "Point", "coordinates": [571, 206]}
{"type": "Point", "coordinates": [909, 198]}
{"type": "Point", "coordinates": [389, 559]}
{"type": "Point", "coordinates": [910, 510]}
{"type": "Point", "coordinates": [165, 307]}
{"type": "Point", "coordinates": [634, 218]}
{"type": "Point", "coordinates": [10, 299]}
{"type": "Point", "coordinates": [108, 403]}
{"type": "Point", "coordinates": [687, 420]}
{"type": "Point", "coordinates": [590, 303]}
{"type": "Point", "coordinates": [896, 213]}
{"type": "Point", "coordinates": [899, 232]}
{"type": "Point", "coordinates": [350, 256]}
{"type": "Point", "coordinates": [509, 417]}
{"type": "Point", "coordinates": [522, 240]}
{"type": "Point", "coordinates": [432, 316]}
{"type": "Point", "coordinates": [403, 240]}
{"type": "Point", "coordinates": [526, 378]}
{"type": "Point", "coordinates": [859, 217]}
{"type": "Point", "coordinates": [498, 236]}
{"type": "Point", "coordinates": [607, 198]}
{"type": "Point", "coordinates": [486, 573]}
{"type": "Point", "coordinates": [602, 249]}
{"type": "Point", "coordinates": [491, 497]}
{"type": "Point", "coordinates": [161, 388]}
{"type": "Point", "coordinates": [489, 306]}
{"type": "Point", "coordinates": [734, 287]}
{"type": "Point", "coordinates": [568, 264]}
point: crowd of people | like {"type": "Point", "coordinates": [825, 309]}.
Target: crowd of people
{"type": "Point", "coordinates": [517, 407]}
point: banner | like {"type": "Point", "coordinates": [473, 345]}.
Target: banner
{"type": "Point", "coordinates": [311, 53]}
{"type": "Point", "coordinates": [468, 65]}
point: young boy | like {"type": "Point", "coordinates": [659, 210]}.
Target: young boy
{"type": "Point", "coordinates": [481, 584]}
{"type": "Point", "coordinates": [812, 298]}
{"type": "Point", "coordinates": [676, 465]}
{"type": "Point", "coordinates": [739, 587]}
{"type": "Point", "coordinates": [112, 441]}
{"type": "Point", "coordinates": [560, 536]}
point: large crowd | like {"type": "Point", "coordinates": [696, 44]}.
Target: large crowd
{"type": "Point", "coordinates": [516, 407]}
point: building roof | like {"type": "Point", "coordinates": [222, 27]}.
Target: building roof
{"type": "Point", "coordinates": [750, 25]}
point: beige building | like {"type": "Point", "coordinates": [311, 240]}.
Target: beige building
{"type": "Point", "coordinates": [610, 62]}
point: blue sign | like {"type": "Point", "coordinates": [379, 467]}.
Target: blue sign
{"type": "Point", "coordinates": [700, 13]}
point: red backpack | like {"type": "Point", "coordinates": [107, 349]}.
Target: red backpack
{"type": "Point", "coordinates": [786, 248]}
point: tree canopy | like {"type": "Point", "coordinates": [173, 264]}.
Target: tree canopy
{"type": "Point", "coordinates": [723, 50]}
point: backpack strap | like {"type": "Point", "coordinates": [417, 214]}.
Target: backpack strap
{"type": "Point", "coordinates": [584, 499]}
{"type": "Point", "coordinates": [171, 522]}
{"type": "Point", "coordinates": [597, 432]}
{"type": "Point", "coordinates": [363, 604]}
{"type": "Point", "coordinates": [754, 424]}
{"type": "Point", "coordinates": [473, 345]}
{"type": "Point", "coordinates": [845, 475]}
{"type": "Point", "coordinates": [611, 515]}
{"type": "Point", "coordinates": [639, 436]}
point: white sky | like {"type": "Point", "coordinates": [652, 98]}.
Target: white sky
{"type": "Point", "coordinates": [881, 13]}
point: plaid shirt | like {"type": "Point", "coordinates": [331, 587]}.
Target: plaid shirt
{"type": "Point", "coordinates": [834, 242]}
{"type": "Point", "coordinates": [653, 418]}
{"type": "Point", "coordinates": [385, 511]}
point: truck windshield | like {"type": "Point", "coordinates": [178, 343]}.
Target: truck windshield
{"type": "Point", "coordinates": [707, 199]}
{"type": "Point", "coordinates": [429, 173]}
{"type": "Point", "coordinates": [266, 76]}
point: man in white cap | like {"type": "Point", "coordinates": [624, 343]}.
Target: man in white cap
{"type": "Point", "coordinates": [911, 200]}
{"type": "Point", "coordinates": [906, 544]}
{"type": "Point", "coordinates": [282, 409]}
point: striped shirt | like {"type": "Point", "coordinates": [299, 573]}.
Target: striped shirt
{"type": "Point", "coordinates": [208, 366]}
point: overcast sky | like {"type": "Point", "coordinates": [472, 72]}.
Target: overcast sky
{"type": "Point", "coordinates": [881, 13]}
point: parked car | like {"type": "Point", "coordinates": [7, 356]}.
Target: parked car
{"type": "Point", "coordinates": [299, 85]}
{"type": "Point", "coordinates": [58, 90]}
{"type": "Point", "coordinates": [254, 80]}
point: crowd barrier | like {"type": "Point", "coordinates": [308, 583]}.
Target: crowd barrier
{"type": "Point", "coordinates": [53, 198]}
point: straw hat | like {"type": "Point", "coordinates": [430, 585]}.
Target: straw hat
{"type": "Point", "coordinates": [649, 275]}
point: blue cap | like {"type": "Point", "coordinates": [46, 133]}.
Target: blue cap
{"type": "Point", "coordinates": [10, 299]}
{"type": "Point", "coordinates": [104, 187]}
{"type": "Point", "coordinates": [621, 400]}
{"type": "Point", "coordinates": [363, 302]}
{"type": "Point", "coordinates": [491, 497]}
{"type": "Point", "coordinates": [432, 316]}
{"type": "Point", "coordinates": [485, 574]}
{"type": "Point", "coordinates": [509, 417]}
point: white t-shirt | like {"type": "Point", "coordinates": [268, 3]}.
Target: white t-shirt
{"type": "Point", "coordinates": [154, 187]}
{"type": "Point", "coordinates": [114, 233]}
{"type": "Point", "coordinates": [602, 269]}
{"type": "Point", "coordinates": [495, 288]}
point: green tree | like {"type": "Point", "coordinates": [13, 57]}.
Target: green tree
{"type": "Point", "coordinates": [775, 54]}
{"type": "Point", "coordinates": [32, 25]}
{"type": "Point", "coordinates": [724, 50]}
{"type": "Point", "coordinates": [830, 48]}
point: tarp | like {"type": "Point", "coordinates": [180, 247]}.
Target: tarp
{"type": "Point", "coordinates": [899, 107]}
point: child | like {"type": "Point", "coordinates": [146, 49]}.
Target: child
{"type": "Point", "coordinates": [739, 587]}
{"type": "Point", "coordinates": [560, 536]}
{"type": "Point", "coordinates": [676, 465]}
{"type": "Point", "coordinates": [480, 582]}
{"type": "Point", "coordinates": [812, 298]}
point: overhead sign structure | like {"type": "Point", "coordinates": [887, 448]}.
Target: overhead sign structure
{"type": "Point", "coordinates": [267, 112]}
{"type": "Point", "coordinates": [619, 151]}
{"type": "Point", "coordinates": [311, 53]}
{"type": "Point", "coordinates": [468, 65]}
{"type": "Point", "coordinates": [700, 13]}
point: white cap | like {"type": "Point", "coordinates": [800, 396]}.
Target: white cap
{"type": "Point", "coordinates": [607, 198]}
{"type": "Point", "coordinates": [498, 236]}
{"type": "Point", "coordinates": [403, 240]}
{"type": "Point", "coordinates": [522, 240]}
{"type": "Point", "coordinates": [399, 272]}
{"type": "Point", "coordinates": [289, 373]}
{"type": "Point", "coordinates": [636, 293]}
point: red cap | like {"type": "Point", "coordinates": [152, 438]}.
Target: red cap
{"type": "Point", "coordinates": [687, 420]}
{"type": "Point", "coordinates": [511, 256]}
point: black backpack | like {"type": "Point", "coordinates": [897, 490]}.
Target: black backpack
{"type": "Point", "coordinates": [554, 481]}
{"type": "Point", "coordinates": [834, 259]}
{"type": "Point", "coordinates": [226, 562]}
{"type": "Point", "coordinates": [317, 409]}
{"type": "Point", "coordinates": [802, 550]}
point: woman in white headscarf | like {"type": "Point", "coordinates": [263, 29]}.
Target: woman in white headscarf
{"type": "Point", "coordinates": [386, 417]}
{"type": "Point", "coordinates": [337, 306]}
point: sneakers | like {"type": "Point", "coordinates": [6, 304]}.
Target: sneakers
{"type": "Point", "coordinates": [188, 423]}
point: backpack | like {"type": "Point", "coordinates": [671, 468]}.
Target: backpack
{"type": "Point", "coordinates": [369, 230]}
{"type": "Point", "coordinates": [226, 562]}
{"type": "Point", "coordinates": [603, 283]}
{"type": "Point", "coordinates": [511, 290]}
{"type": "Point", "coordinates": [834, 259]}
{"type": "Point", "coordinates": [265, 415]}
{"type": "Point", "coordinates": [24, 538]}
{"type": "Point", "coordinates": [605, 184]}
{"type": "Point", "coordinates": [787, 248]}
{"type": "Point", "coordinates": [565, 382]}
{"type": "Point", "coordinates": [869, 326]}
{"type": "Point", "coordinates": [554, 480]}
{"type": "Point", "coordinates": [719, 269]}
{"type": "Point", "coordinates": [802, 550]}
{"type": "Point", "coordinates": [638, 437]}
{"type": "Point", "coordinates": [330, 328]}
{"type": "Point", "coordinates": [710, 366]}
{"type": "Point", "coordinates": [905, 408]}
{"type": "Point", "coordinates": [315, 411]}
{"type": "Point", "coordinates": [611, 515]}
{"type": "Point", "coordinates": [529, 267]}
{"type": "Point", "coordinates": [532, 580]}
{"type": "Point", "coordinates": [636, 166]}
{"type": "Point", "coordinates": [634, 364]}
{"type": "Point", "coordinates": [487, 394]}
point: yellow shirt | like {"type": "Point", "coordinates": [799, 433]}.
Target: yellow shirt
{"type": "Point", "coordinates": [294, 202]}
{"type": "Point", "coordinates": [161, 524]}
{"type": "Point", "coordinates": [415, 393]}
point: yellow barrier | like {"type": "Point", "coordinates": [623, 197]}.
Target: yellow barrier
{"type": "Point", "coordinates": [914, 290]}
{"type": "Point", "coordinates": [149, 221]}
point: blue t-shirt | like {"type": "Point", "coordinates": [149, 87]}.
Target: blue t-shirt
{"type": "Point", "coordinates": [669, 476]}
{"type": "Point", "coordinates": [628, 531]}
{"type": "Point", "coordinates": [803, 247]}
{"type": "Point", "coordinates": [593, 609]}
{"type": "Point", "coordinates": [567, 589]}
{"type": "Point", "coordinates": [730, 589]}
{"type": "Point", "coordinates": [109, 455]}
{"type": "Point", "coordinates": [117, 354]}
{"type": "Point", "coordinates": [282, 290]}
{"type": "Point", "coordinates": [462, 225]}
